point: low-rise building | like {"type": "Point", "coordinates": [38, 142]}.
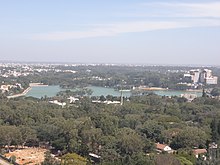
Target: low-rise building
{"type": "Point", "coordinates": [189, 96]}
{"type": "Point", "coordinates": [57, 103]}
{"type": "Point", "coordinates": [163, 148]}
{"type": "Point", "coordinates": [200, 152]}
{"type": "Point", "coordinates": [73, 99]}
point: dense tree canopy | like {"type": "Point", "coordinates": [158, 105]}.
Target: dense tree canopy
{"type": "Point", "coordinates": [119, 134]}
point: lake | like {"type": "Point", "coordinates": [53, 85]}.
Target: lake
{"type": "Point", "coordinates": [41, 91]}
{"type": "Point", "coordinates": [50, 91]}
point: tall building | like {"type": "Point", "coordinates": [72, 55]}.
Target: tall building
{"type": "Point", "coordinates": [202, 76]}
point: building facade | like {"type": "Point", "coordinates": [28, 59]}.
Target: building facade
{"type": "Point", "coordinates": [203, 76]}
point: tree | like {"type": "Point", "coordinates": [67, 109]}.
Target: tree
{"type": "Point", "coordinates": [215, 92]}
{"type": "Point", "coordinates": [70, 159]}
{"type": "Point", "coordinates": [91, 138]}
{"type": "Point", "coordinates": [49, 160]}
{"type": "Point", "coordinates": [106, 122]}
{"type": "Point", "coordinates": [190, 137]}
{"type": "Point", "coordinates": [10, 135]}
{"type": "Point", "coordinates": [108, 150]}
{"type": "Point", "coordinates": [102, 98]}
{"type": "Point", "coordinates": [129, 141]}
{"type": "Point", "coordinates": [27, 134]}
{"type": "Point", "coordinates": [214, 129]}
{"type": "Point", "coordinates": [152, 129]}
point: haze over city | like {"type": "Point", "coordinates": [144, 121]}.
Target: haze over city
{"type": "Point", "coordinates": [116, 31]}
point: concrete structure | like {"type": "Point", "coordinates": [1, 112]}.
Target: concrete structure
{"type": "Point", "coordinates": [189, 96]}
{"type": "Point", "coordinates": [106, 102]}
{"type": "Point", "coordinates": [213, 145]}
{"type": "Point", "coordinates": [211, 80]}
{"type": "Point", "coordinates": [202, 76]}
{"type": "Point", "coordinates": [57, 103]}
{"type": "Point", "coordinates": [73, 99]}
{"type": "Point", "coordinates": [95, 158]}
{"type": "Point", "coordinates": [195, 76]}
{"type": "Point", "coordinates": [5, 88]}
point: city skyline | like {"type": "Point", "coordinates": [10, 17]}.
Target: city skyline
{"type": "Point", "coordinates": [122, 32]}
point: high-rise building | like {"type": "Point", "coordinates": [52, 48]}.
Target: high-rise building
{"type": "Point", "coordinates": [202, 76]}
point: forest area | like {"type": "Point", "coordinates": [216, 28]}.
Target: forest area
{"type": "Point", "coordinates": [121, 134]}
{"type": "Point", "coordinates": [115, 134]}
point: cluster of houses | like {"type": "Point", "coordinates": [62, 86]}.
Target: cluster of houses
{"type": "Point", "coordinates": [17, 69]}
{"type": "Point", "coordinates": [73, 100]}
{"type": "Point", "coordinates": [196, 152]}
{"type": "Point", "coordinates": [63, 104]}
{"type": "Point", "coordinates": [106, 102]}
{"type": "Point", "coordinates": [6, 87]}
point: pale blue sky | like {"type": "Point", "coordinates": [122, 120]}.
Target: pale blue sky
{"type": "Point", "coordinates": [113, 31]}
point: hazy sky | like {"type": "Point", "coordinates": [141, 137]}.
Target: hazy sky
{"type": "Point", "coordinates": [111, 31]}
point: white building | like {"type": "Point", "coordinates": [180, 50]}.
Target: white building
{"type": "Point", "coordinates": [211, 80]}
{"type": "Point", "coordinates": [189, 96]}
{"type": "Point", "coordinates": [202, 76]}
{"type": "Point", "coordinates": [163, 148]}
{"type": "Point", "coordinates": [73, 99]}
{"type": "Point", "coordinates": [57, 103]}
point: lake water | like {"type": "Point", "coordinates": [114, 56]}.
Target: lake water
{"type": "Point", "coordinates": [50, 91]}
{"type": "Point", "coordinates": [98, 91]}
{"type": "Point", "coordinates": [41, 91]}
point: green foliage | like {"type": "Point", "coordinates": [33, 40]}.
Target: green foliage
{"type": "Point", "coordinates": [152, 129]}
{"type": "Point", "coordinates": [186, 157]}
{"type": "Point", "coordinates": [215, 92]}
{"type": "Point", "coordinates": [129, 141]}
{"type": "Point", "coordinates": [70, 159]}
{"type": "Point", "coordinates": [49, 160]}
{"type": "Point", "coordinates": [184, 161]}
{"type": "Point", "coordinates": [119, 134]}
{"type": "Point", "coordinates": [190, 137]}
{"type": "Point", "coordinates": [10, 135]}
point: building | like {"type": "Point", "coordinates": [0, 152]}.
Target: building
{"type": "Point", "coordinates": [203, 76]}
{"type": "Point", "coordinates": [5, 88]}
{"type": "Point", "coordinates": [189, 96]}
{"type": "Point", "coordinates": [95, 158]}
{"type": "Point", "coordinates": [200, 152]}
{"type": "Point", "coordinates": [211, 80]}
{"type": "Point", "coordinates": [195, 76]}
{"type": "Point", "coordinates": [163, 148]}
{"type": "Point", "coordinates": [57, 103]}
{"type": "Point", "coordinates": [213, 145]}
{"type": "Point", "coordinates": [73, 99]}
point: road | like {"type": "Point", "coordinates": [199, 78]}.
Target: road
{"type": "Point", "coordinates": [20, 94]}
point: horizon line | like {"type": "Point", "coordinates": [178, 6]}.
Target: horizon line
{"type": "Point", "coordinates": [105, 63]}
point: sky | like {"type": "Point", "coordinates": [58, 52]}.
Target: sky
{"type": "Point", "coordinates": [115, 31]}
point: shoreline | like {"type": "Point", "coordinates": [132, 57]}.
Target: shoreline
{"type": "Point", "coordinates": [26, 90]}
{"type": "Point", "coordinates": [36, 84]}
{"type": "Point", "coordinates": [20, 94]}
{"type": "Point", "coordinates": [152, 89]}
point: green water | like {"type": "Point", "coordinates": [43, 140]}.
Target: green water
{"type": "Point", "coordinates": [41, 91]}
{"type": "Point", "coordinates": [98, 91]}
{"type": "Point", "coordinates": [176, 93]}
{"type": "Point", "coordinates": [50, 91]}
